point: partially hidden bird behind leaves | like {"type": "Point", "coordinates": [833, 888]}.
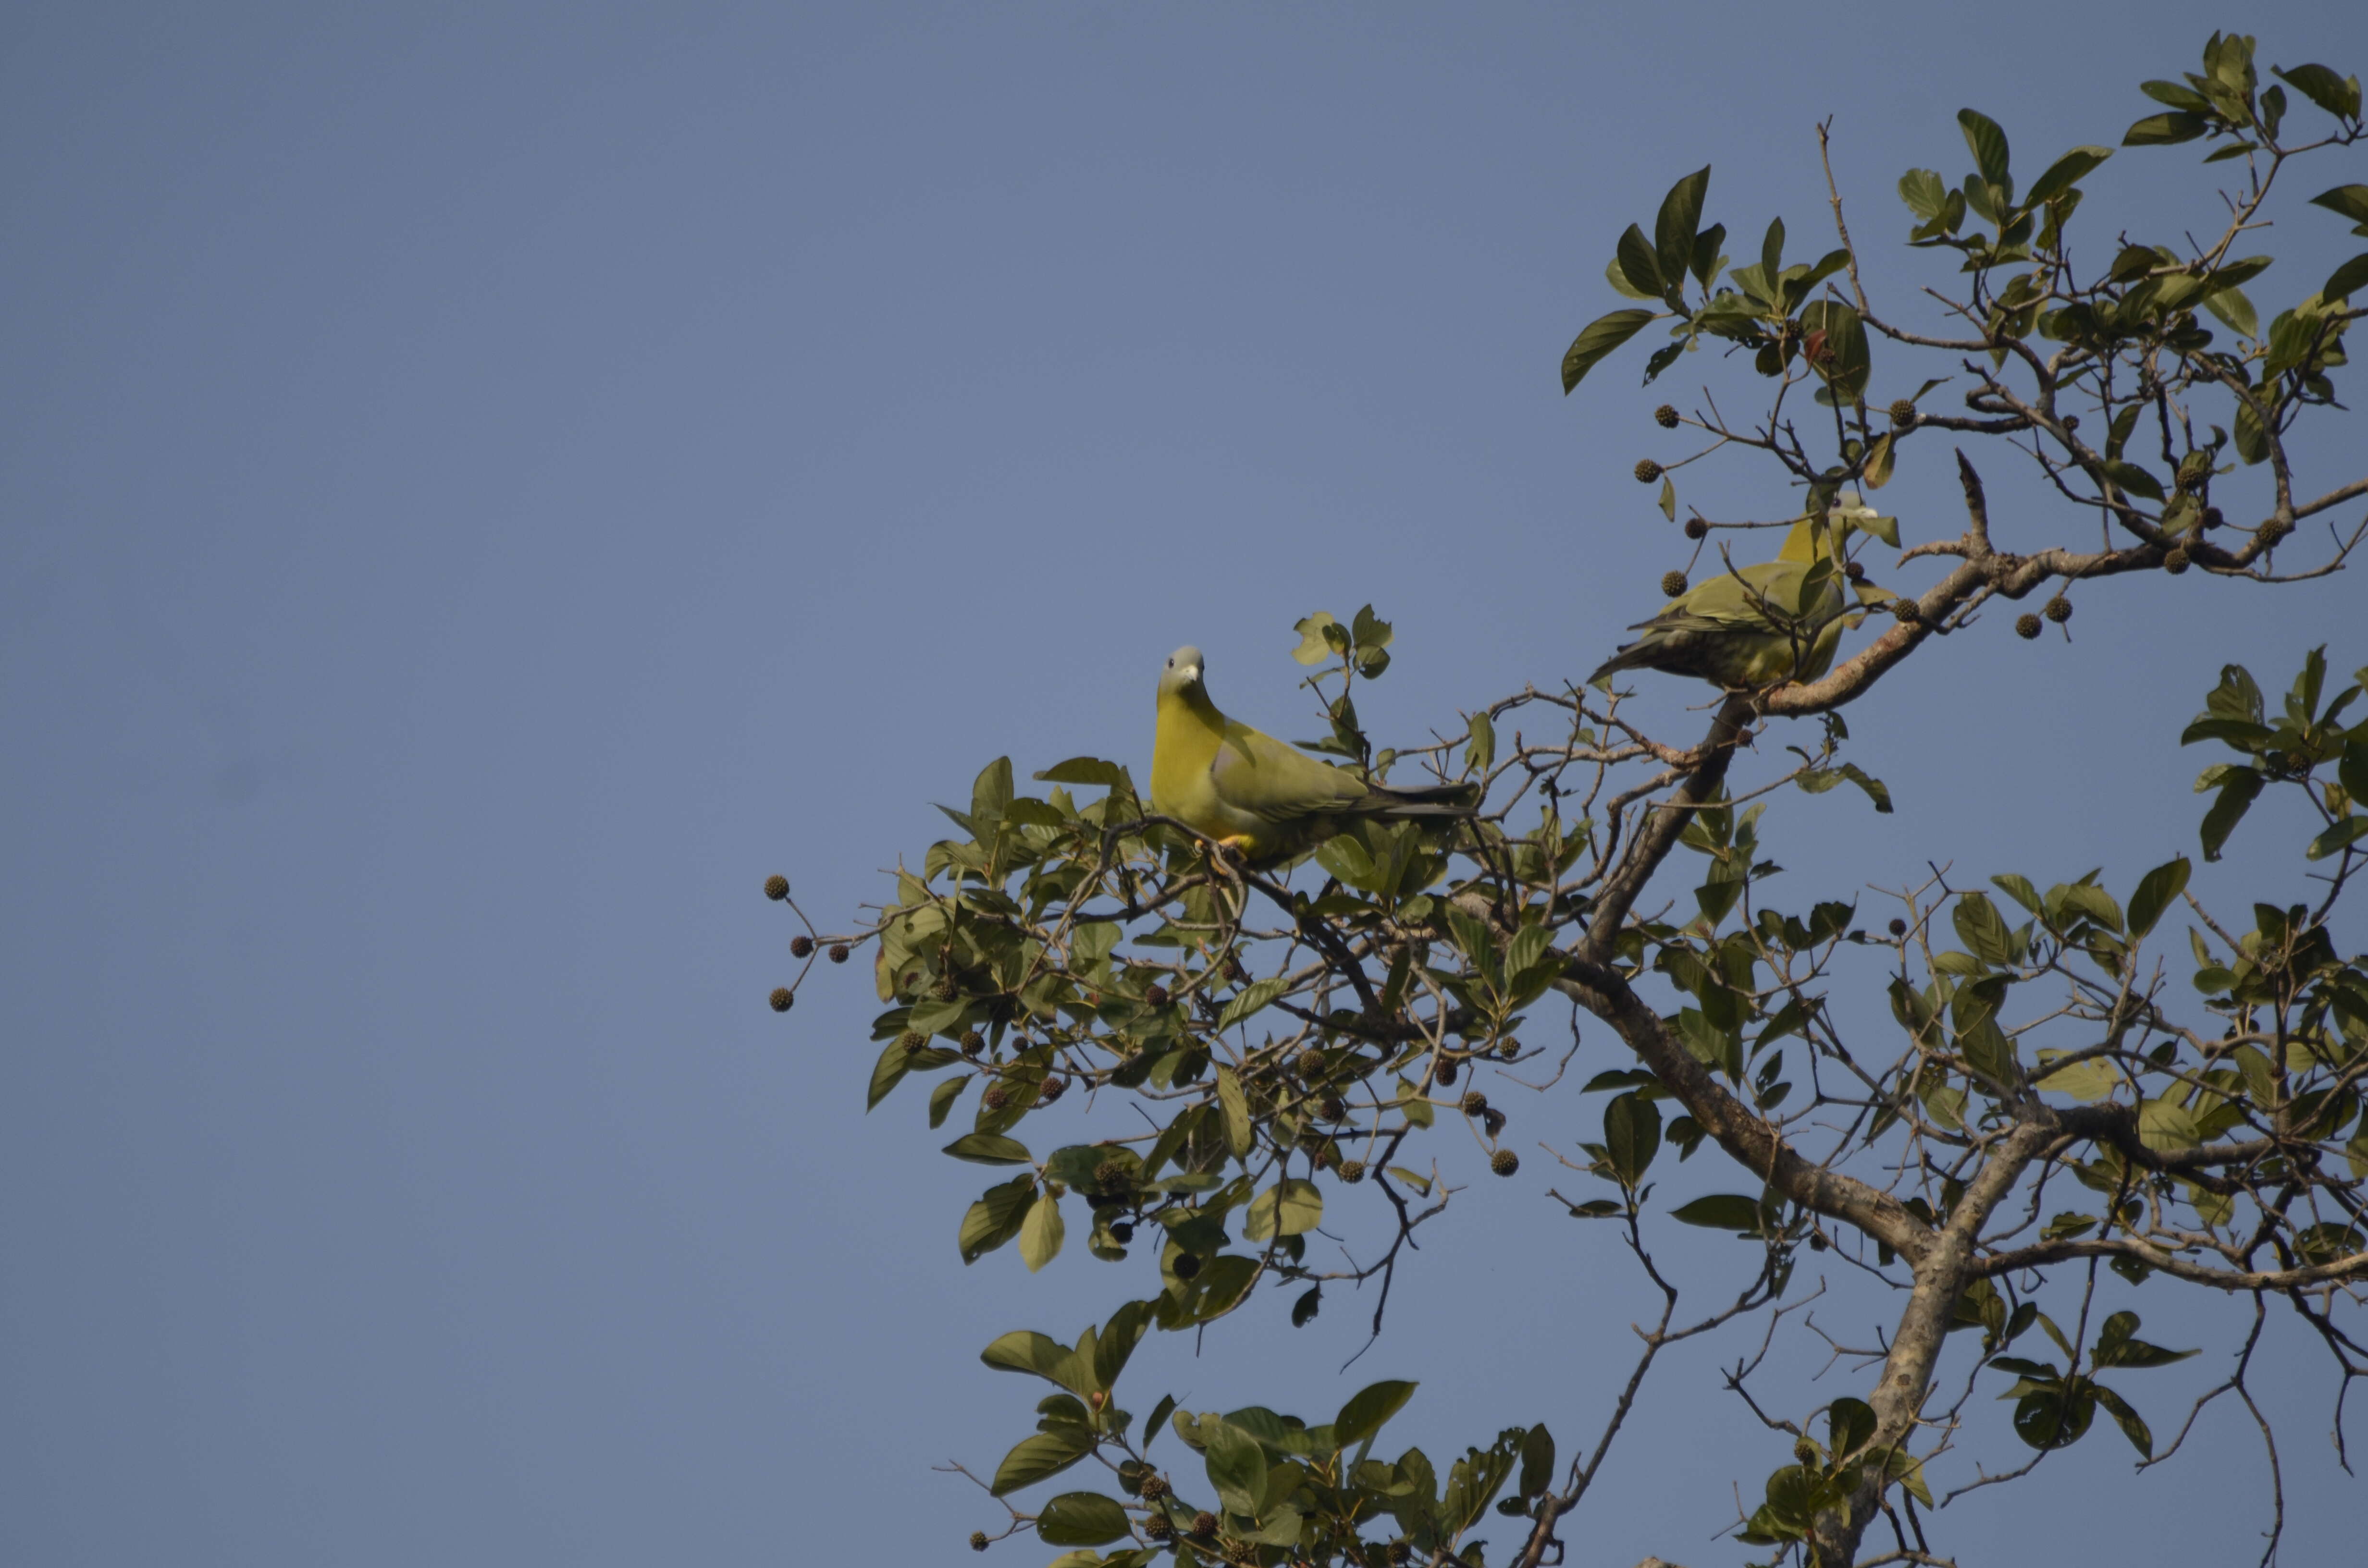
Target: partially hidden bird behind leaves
{"type": "Point", "coordinates": [1259, 795]}
{"type": "Point", "coordinates": [1758, 625]}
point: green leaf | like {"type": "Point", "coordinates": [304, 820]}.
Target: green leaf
{"type": "Point", "coordinates": [2129, 476]}
{"type": "Point", "coordinates": [989, 1148]}
{"type": "Point", "coordinates": [1878, 461]}
{"type": "Point", "coordinates": [996, 1217]}
{"type": "Point", "coordinates": [1081, 1518]}
{"type": "Point", "coordinates": [1158, 1419]}
{"type": "Point", "coordinates": [1598, 338]}
{"type": "Point", "coordinates": [1252, 997]}
{"type": "Point", "coordinates": [942, 1098]}
{"type": "Point", "coordinates": [1724, 1212]}
{"type": "Point", "coordinates": [2351, 830]}
{"type": "Point", "coordinates": [1632, 1133]}
{"type": "Point", "coordinates": [2127, 1419]}
{"type": "Point", "coordinates": [1639, 264]}
{"type": "Point", "coordinates": [1674, 228]}
{"type": "Point", "coordinates": [2155, 891]}
{"type": "Point", "coordinates": [1288, 1208]}
{"type": "Point", "coordinates": [2065, 173]}
{"type": "Point", "coordinates": [1115, 1345]}
{"type": "Point", "coordinates": [992, 791]}
{"type": "Point", "coordinates": [2338, 95]}
{"type": "Point", "coordinates": [1989, 143]}
{"type": "Point", "coordinates": [2348, 200]}
{"type": "Point", "coordinates": [1085, 770]}
{"type": "Point", "coordinates": [1236, 1465]}
{"type": "Point", "coordinates": [2162, 130]}
{"type": "Point", "coordinates": [2235, 310]}
{"type": "Point", "coordinates": [1618, 278]}
{"type": "Point", "coordinates": [1238, 1111]}
{"type": "Point", "coordinates": [1040, 1356]}
{"type": "Point", "coordinates": [1849, 1426]}
{"type": "Point", "coordinates": [887, 1073]}
{"type": "Point", "coordinates": [2238, 785]}
{"type": "Point", "coordinates": [1047, 1453]}
{"type": "Point", "coordinates": [1670, 499]}
{"type": "Point", "coordinates": [1368, 1410]}
{"type": "Point", "coordinates": [1481, 750]}
{"type": "Point", "coordinates": [2117, 1345]}
{"type": "Point", "coordinates": [1537, 1460]}
{"type": "Point", "coordinates": [1314, 647]}
{"type": "Point", "coordinates": [1984, 930]}
{"type": "Point", "coordinates": [1846, 364]}
{"type": "Point", "coordinates": [2346, 279]}
{"type": "Point", "coordinates": [1041, 1233]}
{"type": "Point", "coordinates": [1924, 192]}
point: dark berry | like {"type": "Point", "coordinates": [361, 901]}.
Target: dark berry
{"type": "Point", "coordinates": [2026, 626]}
{"type": "Point", "coordinates": [1111, 1174]}
{"type": "Point", "coordinates": [2175, 561]}
{"type": "Point", "coordinates": [1053, 1090]}
{"type": "Point", "coordinates": [995, 1098]}
{"type": "Point", "coordinates": [1310, 1063]}
{"type": "Point", "coordinates": [1697, 527]}
{"type": "Point", "coordinates": [2058, 610]}
{"type": "Point", "coordinates": [838, 953]}
{"type": "Point", "coordinates": [1187, 1266]}
{"type": "Point", "coordinates": [1899, 926]}
{"type": "Point", "coordinates": [1854, 572]}
{"type": "Point", "coordinates": [1155, 1487]}
{"type": "Point", "coordinates": [973, 1043]}
{"type": "Point", "coordinates": [1904, 607]}
{"type": "Point", "coordinates": [1157, 1527]}
{"type": "Point", "coordinates": [1122, 1231]}
{"type": "Point", "coordinates": [945, 990]}
{"type": "Point", "coordinates": [2071, 422]}
{"type": "Point", "coordinates": [1475, 1102]}
{"type": "Point", "coordinates": [1331, 1108]}
{"type": "Point", "coordinates": [1352, 1171]}
{"type": "Point", "coordinates": [781, 999]}
{"type": "Point", "coordinates": [777, 887]}
{"type": "Point", "coordinates": [1204, 1524]}
{"type": "Point", "coordinates": [1903, 414]}
{"type": "Point", "coordinates": [1445, 1076]}
{"type": "Point", "coordinates": [1666, 417]}
{"type": "Point", "coordinates": [2214, 517]}
{"type": "Point", "coordinates": [1156, 995]}
{"type": "Point", "coordinates": [1672, 584]}
{"type": "Point", "coordinates": [1504, 1161]}
{"type": "Point", "coordinates": [912, 1040]}
{"type": "Point", "coordinates": [801, 945]}
{"type": "Point", "coordinates": [978, 1541]}
{"type": "Point", "coordinates": [1647, 470]}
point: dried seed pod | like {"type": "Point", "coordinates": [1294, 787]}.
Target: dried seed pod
{"type": "Point", "coordinates": [1666, 417]}
{"type": "Point", "coordinates": [777, 887]}
{"type": "Point", "coordinates": [781, 999]}
{"type": "Point", "coordinates": [1672, 584]}
{"type": "Point", "coordinates": [1647, 470]}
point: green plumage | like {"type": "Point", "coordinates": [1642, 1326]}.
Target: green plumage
{"type": "Point", "coordinates": [1754, 626]}
{"type": "Point", "coordinates": [1269, 799]}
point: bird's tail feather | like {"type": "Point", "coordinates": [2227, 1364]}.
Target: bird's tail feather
{"type": "Point", "coordinates": [1429, 801]}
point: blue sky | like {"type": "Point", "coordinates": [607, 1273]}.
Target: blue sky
{"type": "Point", "coordinates": [480, 486]}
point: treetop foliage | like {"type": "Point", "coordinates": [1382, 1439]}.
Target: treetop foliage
{"type": "Point", "coordinates": [2087, 1093]}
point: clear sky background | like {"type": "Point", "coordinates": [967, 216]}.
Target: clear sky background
{"type": "Point", "coordinates": [480, 486]}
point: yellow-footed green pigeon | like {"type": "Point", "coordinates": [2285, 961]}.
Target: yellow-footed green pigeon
{"type": "Point", "coordinates": [1758, 625]}
{"type": "Point", "coordinates": [1255, 793]}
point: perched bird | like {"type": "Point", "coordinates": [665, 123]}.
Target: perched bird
{"type": "Point", "coordinates": [1258, 794]}
{"type": "Point", "coordinates": [1755, 626]}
